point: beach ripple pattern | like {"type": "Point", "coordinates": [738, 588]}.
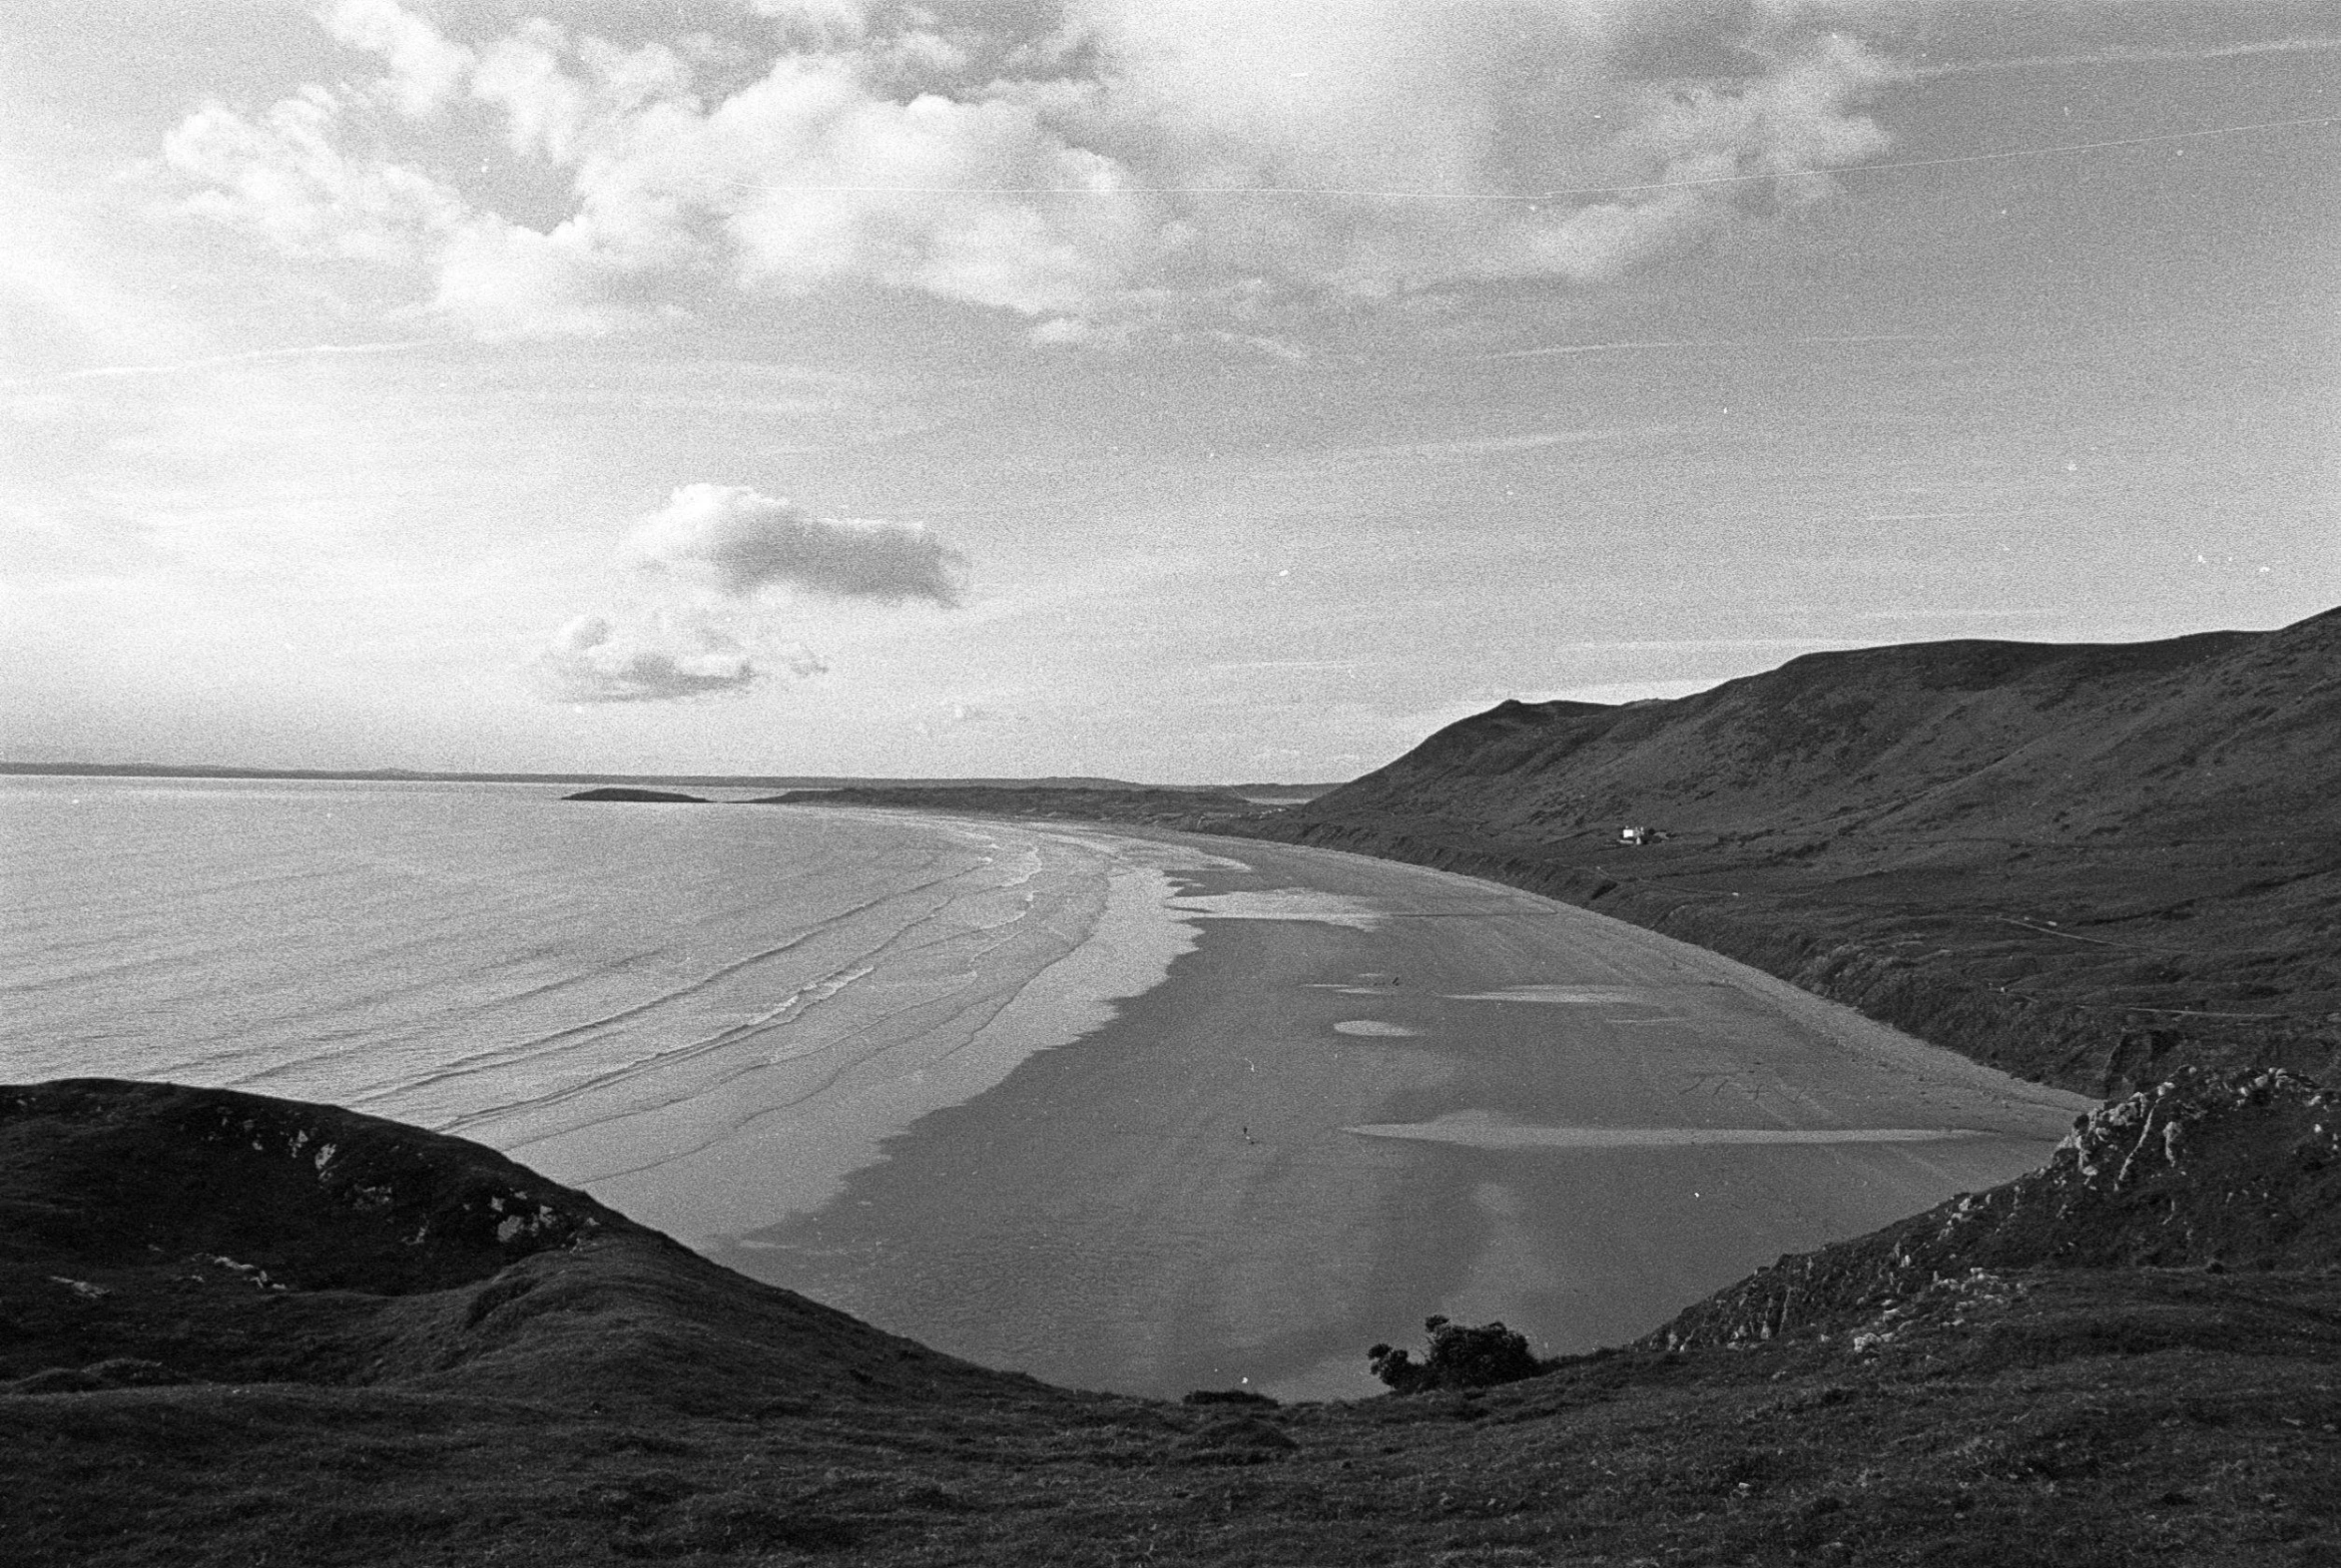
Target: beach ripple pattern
{"type": "Point", "coordinates": [706, 1015]}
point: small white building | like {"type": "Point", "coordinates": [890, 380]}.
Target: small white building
{"type": "Point", "coordinates": [1633, 836]}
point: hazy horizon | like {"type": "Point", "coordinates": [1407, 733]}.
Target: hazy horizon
{"type": "Point", "coordinates": [199, 768]}
{"type": "Point", "coordinates": [1038, 774]}
{"type": "Point", "coordinates": [1184, 394]}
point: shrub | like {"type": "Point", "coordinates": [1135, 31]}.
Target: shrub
{"type": "Point", "coordinates": [1459, 1357]}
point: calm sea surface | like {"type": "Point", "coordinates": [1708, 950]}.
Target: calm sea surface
{"type": "Point", "coordinates": [707, 1014]}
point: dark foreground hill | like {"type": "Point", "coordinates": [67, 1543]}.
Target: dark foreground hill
{"type": "Point", "coordinates": [2090, 864]}
{"type": "Point", "coordinates": [245, 1330]}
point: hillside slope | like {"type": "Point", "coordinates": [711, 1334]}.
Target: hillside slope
{"type": "Point", "coordinates": [2087, 863]}
{"type": "Point", "coordinates": [2199, 1172]}
{"type": "Point", "coordinates": [2199, 735]}
{"type": "Point", "coordinates": [240, 1331]}
{"type": "Point", "coordinates": [152, 1235]}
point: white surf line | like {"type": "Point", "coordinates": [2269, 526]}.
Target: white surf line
{"type": "Point", "coordinates": [1481, 1130]}
{"type": "Point", "coordinates": [1375, 1027]}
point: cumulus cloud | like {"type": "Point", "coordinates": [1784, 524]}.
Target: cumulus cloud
{"type": "Point", "coordinates": [699, 618]}
{"type": "Point", "coordinates": [509, 280]}
{"type": "Point", "coordinates": [1086, 165]}
{"type": "Point", "coordinates": [736, 542]}
{"type": "Point", "coordinates": [660, 659]}
{"type": "Point", "coordinates": [591, 661]}
{"type": "Point", "coordinates": [425, 68]}
{"type": "Point", "coordinates": [286, 174]}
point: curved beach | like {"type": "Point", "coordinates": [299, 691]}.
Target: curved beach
{"type": "Point", "coordinates": [1147, 1112]}
{"type": "Point", "coordinates": [1372, 1092]}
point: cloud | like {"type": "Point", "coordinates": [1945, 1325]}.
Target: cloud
{"type": "Point", "coordinates": [738, 542]}
{"type": "Point", "coordinates": [509, 280]}
{"type": "Point", "coordinates": [286, 176]}
{"type": "Point", "coordinates": [696, 625]}
{"type": "Point", "coordinates": [425, 68]}
{"type": "Point", "coordinates": [663, 658]}
{"type": "Point", "coordinates": [1086, 165]}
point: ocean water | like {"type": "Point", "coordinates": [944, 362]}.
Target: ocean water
{"type": "Point", "coordinates": [706, 1015]}
{"type": "Point", "coordinates": [816, 1044]}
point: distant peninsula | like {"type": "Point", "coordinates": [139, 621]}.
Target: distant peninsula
{"type": "Point", "coordinates": [630, 793]}
{"type": "Point", "coordinates": [1201, 811]}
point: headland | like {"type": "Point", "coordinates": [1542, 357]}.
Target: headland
{"type": "Point", "coordinates": [2108, 869]}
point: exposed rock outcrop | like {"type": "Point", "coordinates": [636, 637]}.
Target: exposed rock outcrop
{"type": "Point", "coordinates": [309, 1197]}
{"type": "Point", "coordinates": [2224, 1172]}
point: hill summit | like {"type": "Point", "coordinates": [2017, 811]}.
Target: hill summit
{"type": "Point", "coordinates": [2087, 863]}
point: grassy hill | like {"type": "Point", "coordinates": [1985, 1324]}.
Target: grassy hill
{"type": "Point", "coordinates": [246, 1331]}
{"type": "Point", "coordinates": [236, 1329]}
{"type": "Point", "coordinates": [2090, 864]}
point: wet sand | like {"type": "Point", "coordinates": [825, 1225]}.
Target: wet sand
{"type": "Point", "coordinates": [1375, 1092]}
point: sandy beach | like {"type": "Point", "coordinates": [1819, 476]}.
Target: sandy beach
{"type": "Point", "coordinates": [1372, 1092]}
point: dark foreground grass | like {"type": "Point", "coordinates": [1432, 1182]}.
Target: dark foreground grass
{"type": "Point", "coordinates": [426, 1355]}
{"type": "Point", "coordinates": [2088, 1418]}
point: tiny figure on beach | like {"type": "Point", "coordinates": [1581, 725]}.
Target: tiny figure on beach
{"type": "Point", "coordinates": [1247, 1132]}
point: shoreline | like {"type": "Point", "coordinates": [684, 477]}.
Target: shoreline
{"type": "Point", "coordinates": [705, 1017]}
{"type": "Point", "coordinates": [781, 1154]}
{"type": "Point", "coordinates": [1202, 1191]}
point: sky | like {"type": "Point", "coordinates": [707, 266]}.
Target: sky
{"type": "Point", "coordinates": [1187, 391]}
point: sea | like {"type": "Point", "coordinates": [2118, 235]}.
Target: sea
{"type": "Point", "coordinates": [707, 1015]}
{"type": "Point", "coordinates": [789, 1036]}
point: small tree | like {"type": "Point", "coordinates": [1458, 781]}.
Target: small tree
{"type": "Point", "coordinates": [1459, 1358]}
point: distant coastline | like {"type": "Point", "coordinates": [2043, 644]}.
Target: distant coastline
{"type": "Point", "coordinates": [669, 781]}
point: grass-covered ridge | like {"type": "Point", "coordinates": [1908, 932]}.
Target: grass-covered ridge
{"type": "Point", "coordinates": [582, 1389]}
{"type": "Point", "coordinates": [2090, 866]}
